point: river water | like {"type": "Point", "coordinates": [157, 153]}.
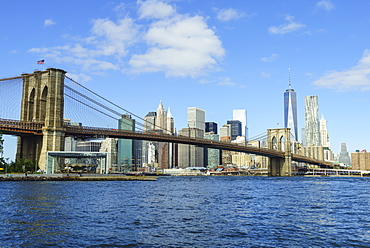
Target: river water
{"type": "Point", "coordinates": [187, 212]}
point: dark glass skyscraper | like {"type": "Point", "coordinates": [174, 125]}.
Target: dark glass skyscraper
{"type": "Point", "coordinates": [211, 127]}
{"type": "Point", "coordinates": [235, 128]}
{"type": "Point", "coordinates": [290, 111]}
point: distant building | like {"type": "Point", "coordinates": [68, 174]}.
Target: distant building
{"type": "Point", "coordinates": [343, 155]}
{"type": "Point", "coordinates": [196, 118]}
{"type": "Point", "coordinates": [211, 127]}
{"type": "Point", "coordinates": [241, 115]}
{"type": "Point", "coordinates": [109, 145]}
{"type": "Point", "coordinates": [126, 158]}
{"type": "Point", "coordinates": [88, 146]}
{"type": "Point", "coordinates": [235, 128]}
{"type": "Point", "coordinates": [162, 153]}
{"type": "Point", "coordinates": [360, 160]}
{"type": "Point", "coordinates": [190, 155]}
{"type": "Point", "coordinates": [211, 156]}
{"type": "Point", "coordinates": [290, 111]}
{"type": "Point", "coordinates": [225, 132]}
{"type": "Point", "coordinates": [312, 132]}
{"type": "Point", "coordinates": [324, 136]}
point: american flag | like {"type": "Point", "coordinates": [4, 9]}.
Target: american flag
{"type": "Point", "coordinates": [40, 62]}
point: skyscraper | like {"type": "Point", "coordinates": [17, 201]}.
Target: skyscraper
{"type": "Point", "coordinates": [343, 155]}
{"type": "Point", "coordinates": [290, 110]}
{"type": "Point", "coordinates": [235, 128]}
{"type": "Point", "coordinates": [190, 155]}
{"type": "Point", "coordinates": [312, 131]}
{"type": "Point", "coordinates": [161, 122]}
{"type": "Point", "coordinates": [196, 118]}
{"type": "Point", "coordinates": [125, 154]}
{"type": "Point", "coordinates": [211, 127]}
{"type": "Point", "coordinates": [241, 115]}
{"type": "Point", "coordinates": [324, 136]}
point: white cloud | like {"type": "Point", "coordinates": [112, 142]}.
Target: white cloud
{"type": "Point", "coordinates": [176, 44]}
{"type": "Point", "coordinates": [49, 22]}
{"type": "Point", "coordinates": [291, 26]}
{"type": "Point", "coordinates": [325, 4]}
{"type": "Point", "coordinates": [179, 46]}
{"type": "Point", "coordinates": [228, 14]}
{"type": "Point", "coordinates": [111, 38]}
{"type": "Point", "coordinates": [355, 78]}
{"type": "Point", "coordinates": [107, 39]}
{"type": "Point", "coordinates": [273, 57]}
{"type": "Point", "coordinates": [155, 9]}
{"type": "Point", "coordinates": [81, 78]}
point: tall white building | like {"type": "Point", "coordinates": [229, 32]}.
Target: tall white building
{"type": "Point", "coordinates": [161, 120]}
{"type": "Point", "coordinates": [312, 131]}
{"type": "Point", "coordinates": [241, 115]}
{"type": "Point", "coordinates": [196, 118]}
{"type": "Point", "coordinates": [324, 136]}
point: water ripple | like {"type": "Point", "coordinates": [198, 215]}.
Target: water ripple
{"type": "Point", "coordinates": [187, 212]}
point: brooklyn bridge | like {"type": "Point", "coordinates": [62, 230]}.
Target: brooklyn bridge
{"type": "Point", "coordinates": [47, 98]}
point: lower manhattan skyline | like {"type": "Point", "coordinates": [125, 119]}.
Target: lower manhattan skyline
{"type": "Point", "coordinates": [215, 56]}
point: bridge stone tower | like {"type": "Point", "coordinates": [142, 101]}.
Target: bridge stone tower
{"type": "Point", "coordinates": [42, 101]}
{"type": "Point", "coordinates": [279, 139]}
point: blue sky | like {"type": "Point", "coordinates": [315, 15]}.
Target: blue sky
{"type": "Point", "coordinates": [215, 55]}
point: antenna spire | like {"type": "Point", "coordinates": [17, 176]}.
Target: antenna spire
{"type": "Point", "coordinates": [289, 78]}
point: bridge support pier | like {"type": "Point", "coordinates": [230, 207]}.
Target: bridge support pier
{"type": "Point", "coordinates": [42, 101]}
{"type": "Point", "coordinates": [279, 139]}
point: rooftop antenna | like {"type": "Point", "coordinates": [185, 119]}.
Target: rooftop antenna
{"type": "Point", "coordinates": [289, 78]}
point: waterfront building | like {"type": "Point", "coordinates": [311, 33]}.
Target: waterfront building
{"type": "Point", "coordinates": [235, 129]}
{"type": "Point", "coordinates": [241, 115]}
{"type": "Point", "coordinates": [211, 156]}
{"type": "Point", "coordinates": [312, 131]}
{"type": "Point", "coordinates": [324, 136]}
{"type": "Point", "coordinates": [360, 160]}
{"type": "Point", "coordinates": [211, 127]}
{"type": "Point", "coordinates": [190, 155]}
{"type": "Point", "coordinates": [196, 118]}
{"type": "Point", "coordinates": [316, 152]}
{"type": "Point", "coordinates": [109, 145]}
{"type": "Point", "coordinates": [290, 111]}
{"type": "Point", "coordinates": [241, 160]}
{"type": "Point", "coordinates": [343, 155]}
{"type": "Point", "coordinates": [88, 146]}
{"type": "Point", "coordinates": [126, 159]}
{"type": "Point", "coordinates": [158, 122]}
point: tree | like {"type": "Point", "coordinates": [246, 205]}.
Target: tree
{"type": "Point", "coordinates": [22, 165]}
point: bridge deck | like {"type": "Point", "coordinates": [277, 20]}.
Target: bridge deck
{"type": "Point", "coordinates": [15, 127]}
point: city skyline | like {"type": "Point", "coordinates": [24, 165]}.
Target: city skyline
{"type": "Point", "coordinates": [217, 56]}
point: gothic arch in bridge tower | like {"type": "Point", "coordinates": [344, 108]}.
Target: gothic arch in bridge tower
{"type": "Point", "coordinates": [279, 139]}
{"type": "Point", "coordinates": [42, 101]}
{"type": "Point", "coordinates": [31, 103]}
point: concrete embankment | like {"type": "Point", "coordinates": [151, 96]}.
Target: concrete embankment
{"type": "Point", "coordinates": [74, 177]}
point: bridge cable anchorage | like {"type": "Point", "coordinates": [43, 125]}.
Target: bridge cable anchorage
{"type": "Point", "coordinates": [125, 110]}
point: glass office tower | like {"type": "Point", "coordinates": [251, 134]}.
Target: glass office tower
{"type": "Point", "coordinates": [290, 111]}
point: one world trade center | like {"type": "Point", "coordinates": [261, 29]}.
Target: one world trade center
{"type": "Point", "coordinates": [290, 110]}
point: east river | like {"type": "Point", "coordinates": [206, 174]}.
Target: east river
{"type": "Point", "coordinates": [187, 212]}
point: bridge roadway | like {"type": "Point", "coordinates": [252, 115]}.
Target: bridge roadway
{"type": "Point", "coordinates": [15, 127]}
